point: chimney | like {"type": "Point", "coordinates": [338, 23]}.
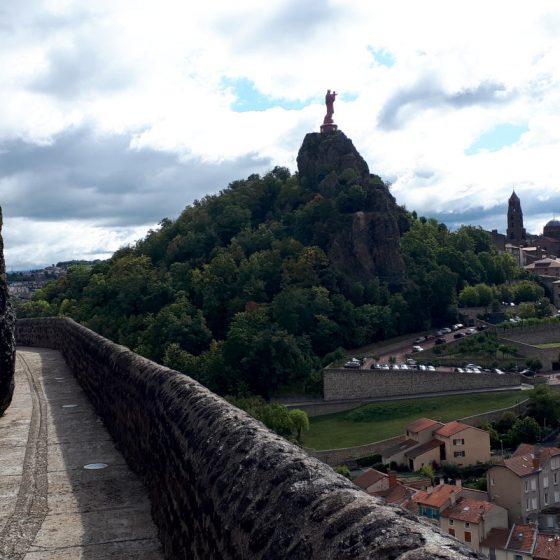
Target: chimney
{"type": "Point", "coordinates": [459, 483]}
{"type": "Point", "coordinates": [430, 489]}
{"type": "Point", "coordinates": [536, 462]}
{"type": "Point", "coordinates": [539, 252]}
{"type": "Point", "coordinates": [441, 481]}
{"type": "Point", "coordinates": [452, 499]}
{"type": "Point", "coordinates": [392, 478]}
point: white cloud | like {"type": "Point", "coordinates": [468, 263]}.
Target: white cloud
{"type": "Point", "coordinates": [153, 72]}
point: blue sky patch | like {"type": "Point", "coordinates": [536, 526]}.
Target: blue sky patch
{"type": "Point", "coordinates": [500, 136]}
{"type": "Point", "coordinates": [382, 56]}
{"type": "Point", "coordinates": [249, 98]}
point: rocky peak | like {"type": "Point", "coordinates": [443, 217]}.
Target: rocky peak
{"type": "Point", "coordinates": [323, 153]}
{"type": "Point", "coordinates": [7, 343]}
{"type": "Point", "coordinates": [367, 245]}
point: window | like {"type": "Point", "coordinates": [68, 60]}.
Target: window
{"type": "Point", "coordinates": [528, 504]}
{"type": "Point", "coordinates": [545, 482]}
{"type": "Point", "coordinates": [451, 522]}
{"type": "Point", "coordinates": [459, 441]}
{"type": "Point", "coordinates": [546, 498]}
{"type": "Point", "coordinates": [557, 496]}
{"type": "Point", "coordinates": [451, 532]}
{"type": "Point", "coordinates": [555, 478]}
{"type": "Point", "coordinates": [467, 536]}
{"type": "Point", "coordinates": [555, 462]}
{"type": "Point", "coordinates": [467, 525]}
{"type": "Point", "coordinates": [458, 454]}
{"type": "Point", "coordinates": [533, 503]}
{"type": "Point", "coordinates": [533, 484]}
{"type": "Point", "coordinates": [517, 557]}
{"type": "Point", "coordinates": [526, 486]}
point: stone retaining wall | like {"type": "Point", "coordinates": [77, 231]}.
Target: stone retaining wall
{"type": "Point", "coordinates": [221, 484]}
{"type": "Point", "coordinates": [362, 384]}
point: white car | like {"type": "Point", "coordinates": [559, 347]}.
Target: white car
{"type": "Point", "coordinates": [422, 367]}
{"type": "Point", "coordinates": [417, 349]}
{"type": "Point", "coordinates": [431, 368]}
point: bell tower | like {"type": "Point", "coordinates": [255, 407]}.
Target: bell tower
{"type": "Point", "coordinates": [515, 230]}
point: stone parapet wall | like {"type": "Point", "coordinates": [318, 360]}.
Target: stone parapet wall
{"type": "Point", "coordinates": [221, 484]}
{"type": "Point", "coordinates": [363, 384]}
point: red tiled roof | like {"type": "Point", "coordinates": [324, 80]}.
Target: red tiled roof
{"type": "Point", "coordinates": [368, 477]}
{"type": "Point", "coordinates": [522, 538]}
{"type": "Point", "coordinates": [424, 448]}
{"type": "Point", "coordinates": [438, 497]}
{"type": "Point", "coordinates": [521, 462]}
{"type": "Point", "coordinates": [451, 428]}
{"type": "Point", "coordinates": [496, 538]}
{"type": "Point", "coordinates": [467, 509]}
{"type": "Point", "coordinates": [421, 424]}
{"type": "Point", "coordinates": [548, 548]}
{"type": "Point", "coordinates": [398, 495]}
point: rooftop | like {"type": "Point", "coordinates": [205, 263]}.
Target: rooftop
{"type": "Point", "coordinates": [368, 477]}
{"type": "Point", "coordinates": [422, 424]}
{"type": "Point", "coordinates": [467, 509]}
{"type": "Point", "coordinates": [548, 548]}
{"type": "Point", "coordinates": [521, 462]}
{"type": "Point", "coordinates": [496, 538]}
{"type": "Point", "coordinates": [399, 448]}
{"type": "Point", "coordinates": [451, 428]}
{"type": "Point", "coordinates": [437, 497]}
{"type": "Point", "coordinates": [522, 538]}
{"type": "Point", "coordinates": [424, 448]}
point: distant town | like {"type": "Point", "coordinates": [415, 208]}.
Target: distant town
{"type": "Point", "coordinates": [22, 285]}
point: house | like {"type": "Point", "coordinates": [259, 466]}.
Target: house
{"type": "Point", "coordinates": [432, 502]}
{"type": "Point", "coordinates": [464, 444]}
{"type": "Point", "coordinates": [517, 543]}
{"type": "Point", "coordinates": [372, 480]}
{"type": "Point", "coordinates": [545, 267]}
{"type": "Point", "coordinates": [470, 520]}
{"type": "Point", "coordinates": [528, 485]}
{"type": "Point", "coordinates": [429, 441]}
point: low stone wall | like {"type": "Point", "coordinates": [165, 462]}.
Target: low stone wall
{"type": "Point", "coordinates": [335, 457]}
{"type": "Point", "coordinates": [363, 384]}
{"type": "Point", "coordinates": [221, 484]}
{"type": "Point", "coordinates": [494, 415]}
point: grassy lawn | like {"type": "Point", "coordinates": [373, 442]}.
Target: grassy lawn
{"type": "Point", "coordinates": [377, 421]}
{"type": "Point", "coordinates": [548, 345]}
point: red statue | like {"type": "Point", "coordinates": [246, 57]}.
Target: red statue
{"type": "Point", "coordinates": [328, 123]}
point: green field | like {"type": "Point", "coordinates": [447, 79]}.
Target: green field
{"type": "Point", "coordinates": [383, 420]}
{"type": "Point", "coordinates": [548, 345]}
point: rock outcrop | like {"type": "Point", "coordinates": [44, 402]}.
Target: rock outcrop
{"type": "Point", "coordinates": [7, 343]}
{"type": "Point", "coordinates": [367, 244]}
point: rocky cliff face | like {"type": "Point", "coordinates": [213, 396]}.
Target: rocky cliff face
{"type": "Point", "coordinates": [368, 244]}
{"type": "Point", "coordinates": [7, 343]}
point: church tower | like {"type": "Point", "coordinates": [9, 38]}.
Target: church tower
{"type": "Point", "coordinates": [515, 230]}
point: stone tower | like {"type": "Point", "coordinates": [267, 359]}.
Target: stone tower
{"type": "Point", "coordinates": [515, 230]}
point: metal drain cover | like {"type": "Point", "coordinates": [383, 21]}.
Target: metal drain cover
{"type": "Point", "coordinates": [95, 466]}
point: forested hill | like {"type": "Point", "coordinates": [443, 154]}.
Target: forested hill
{"type": "Point", "coordinates": [251, 289]}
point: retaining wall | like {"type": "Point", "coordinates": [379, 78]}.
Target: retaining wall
{"type": "Point", "coordinates": [362, 384]}
{"type": "Point", "coordinates": [221, 484]}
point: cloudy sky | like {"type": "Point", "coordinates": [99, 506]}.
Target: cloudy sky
{"type": "Point", "coordinates": [115, 114]}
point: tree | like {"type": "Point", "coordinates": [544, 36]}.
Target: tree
{"type": "Point", "coordinates": [544, 405]}
{"type": "Point", "coordinates": [428, 471]}
{"type": "Point", "coordinates": [534, 364]}
{"type": "Point", "coordinates": [524, 430]}
{"type": "Point", "coordinates": [343, 470]}
{"type": "Point", "coordinates": [300, 422]}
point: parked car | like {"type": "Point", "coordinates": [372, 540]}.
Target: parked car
{"type": "Point", "coordinates": [440, 340]}
{"type": "Point", "coordinates": [471, 330]}
{"type": "Point", "coordinates": [457, 326]}
{"type": "Point", "coordinates": [417, 349]}
{"type": "Point", "coordinates": [446, 330]}
{"type": "Point", "coordinates": [498, 371]}
{"type": "Point", "coordinates": [459, 335]}
{"type": "Point", "coordinates": [431, 368]}
{"type": "Point", "coordinates": [404, 366]}
{"type": "Point", "coordinates": [353, 365]}
{"type": "Point", "coordinates": [528, 372]}
{"type": "Point", "coordinates": [422, 367]}
{"type": "Point", "coordinates": [459, 370]}
{"type": "Point", "coordinates": [420, 339]}
{"type": "Point", "coordinates": [472, 366]}
{"type": "Point", "coordinates": [411, 362]}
